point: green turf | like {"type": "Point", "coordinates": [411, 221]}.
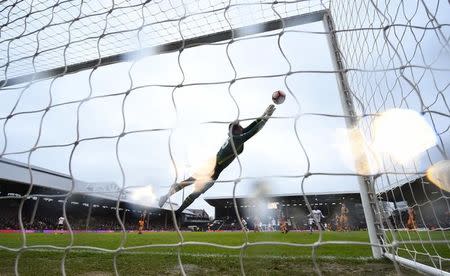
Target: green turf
{"type": "Point", "coordinates": [198, 259]}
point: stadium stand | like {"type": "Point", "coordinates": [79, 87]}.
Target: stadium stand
{"type": "Point", "coordinates": [85, 210]}
{"type": "Point", "coordinates": [269, 211]}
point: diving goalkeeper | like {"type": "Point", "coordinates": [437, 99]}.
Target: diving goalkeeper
{"type": "Point", "coordinates": [223, 158]}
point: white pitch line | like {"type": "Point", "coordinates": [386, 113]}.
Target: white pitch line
{"type": "Point", "coordinates": [204, 255]}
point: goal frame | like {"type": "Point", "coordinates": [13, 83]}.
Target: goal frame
{"type": "Point", "coordinates": [302, 19]}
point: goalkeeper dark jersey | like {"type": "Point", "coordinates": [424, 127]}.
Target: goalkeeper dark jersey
{"type": "Point", "coordinates": [226, 154]}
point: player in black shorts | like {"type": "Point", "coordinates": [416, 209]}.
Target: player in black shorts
{"type": "Point", "coordinates": [223, 158]}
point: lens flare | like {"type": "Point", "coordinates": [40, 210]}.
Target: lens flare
{"type": "Point", "coordinates": [143, 195]}
{"type": "Point", "coordinates": [356, 152]}
{"type": "Point", "coordinates": [403, 134]}
{"type": "Point", "coordinates": [439, 174]}
{"type": "Point", "coordinates": [203, 173]}
{"type": "Point", "coordinates": [249, 30]}
{"type": "Point", "coordinates": [139, 54]}
{"type": "Point", "coordinates": [365, 158]}
{"type": "Point", "coordinates": [258, 201]}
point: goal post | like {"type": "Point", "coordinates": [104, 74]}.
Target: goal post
{"type": "Point", "coordinates": [366, 189]}
{"type": "Point", "coordinates": [389, 55]}
{"type": "Point", "coordinates": [372, 208]}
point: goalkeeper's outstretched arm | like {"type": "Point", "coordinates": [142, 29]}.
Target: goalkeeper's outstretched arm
{"type": "Point", "coordinates": [256, 125]}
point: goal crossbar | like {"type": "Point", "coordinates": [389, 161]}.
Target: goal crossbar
{"type": "Point", "coordinates": [171, 47]}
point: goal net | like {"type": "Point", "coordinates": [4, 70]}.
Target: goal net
{"type": "Point", "coordinates": [117, 100]}
{"type": "Point", "coordinates": [396, 57]}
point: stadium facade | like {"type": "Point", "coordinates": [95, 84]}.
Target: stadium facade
{"type": "Point", "coordinates": [89, 206]}
{"type": "Point", "coordinates": [293, 207]}
{"type": "Point", "coordinates": [93, 206]}
{"type": "Point", "coordinates": [429, 203]}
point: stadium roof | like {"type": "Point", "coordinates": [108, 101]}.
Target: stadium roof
{"type": "Point", "coordinates": [289, 197]}
{"type": "Point", "coordinates": [417, 190]}
{"type": "Point", "coordinates": [18, 172]}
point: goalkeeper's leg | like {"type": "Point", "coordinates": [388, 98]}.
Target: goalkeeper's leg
{"type": "Point", "coordinates": [175, 188]}
{"type": "Point", "coordinates": [194, 195]}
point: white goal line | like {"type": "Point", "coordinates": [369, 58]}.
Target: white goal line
{"type": "Point", "coordinates": [200, 255]}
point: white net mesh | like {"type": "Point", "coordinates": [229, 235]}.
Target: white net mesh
{"type": "Point", "coordinates": [397, 55]}
{"type": "Point", "coordinates": [53, 34]}
{"type": "Point", "coordinates": [89, 126]}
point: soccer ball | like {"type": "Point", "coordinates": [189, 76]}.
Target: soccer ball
{"type": "Point", "coordinates": [278, 97]}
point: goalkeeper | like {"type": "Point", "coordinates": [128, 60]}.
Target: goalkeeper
{"type": "Point", "coordinates": [223, 158]}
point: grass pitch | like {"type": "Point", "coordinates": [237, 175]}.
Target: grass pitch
{"type": "Point", "coordinates": [94, 254]}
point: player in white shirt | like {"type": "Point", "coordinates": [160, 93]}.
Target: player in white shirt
{"type": "Point", "coordinates": [317, 217]}
{"type": "Point", "coordinates": [310, 224]}
{"type": "Point", "coordinates": [274, 224]}
{"type": "Point", "coordinates": [60, 223]}
{"type": "Point", "coordinates": [244, 223]}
